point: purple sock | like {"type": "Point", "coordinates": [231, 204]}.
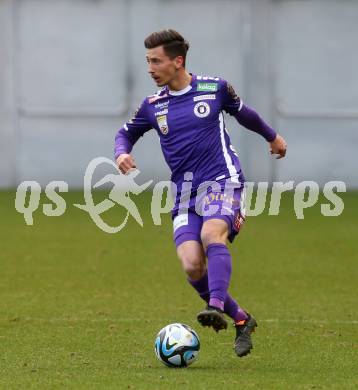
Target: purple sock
{"type": "Point", "coordinates": [202, 287]}
{"type": "Point", "coordinates": [231, 308]}
{"type": "Point", "coordinates": [219, 272]}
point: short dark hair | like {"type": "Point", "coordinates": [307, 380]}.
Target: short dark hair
{"type": "Point", "coordinates": [173, 43]}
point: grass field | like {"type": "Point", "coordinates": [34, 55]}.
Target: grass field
{"type": "Point", "coordinates": [80, 308]}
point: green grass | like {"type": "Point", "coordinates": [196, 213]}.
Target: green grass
{"type": "Point", "coordinates": [80, 308]}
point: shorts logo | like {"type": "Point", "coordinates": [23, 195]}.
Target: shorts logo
{"type": "Point", "coordinates": [238, 222]}
{"type": "Point", "coordinates": [163, 124]}
{"type": "Point", "coordinates": [208, 87]}
{"type": "Point", "coordinates": [201, 109]}
{"type": "Point", "coordinates": [180, 220]}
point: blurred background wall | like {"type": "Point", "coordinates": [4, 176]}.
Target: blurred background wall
{"type": "Point", "coordinates": [72, 71]}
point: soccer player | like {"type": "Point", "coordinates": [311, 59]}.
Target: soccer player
{"type": "Point", "coordinates": [187, 114]}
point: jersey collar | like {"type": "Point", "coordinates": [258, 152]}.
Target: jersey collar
{"type": "Point", "coordinates": [181, 92]}
{"type": "Point", "coordinates": [185, 90]}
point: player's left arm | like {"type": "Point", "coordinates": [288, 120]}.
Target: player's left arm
{"type": "Point", "coordinates": [251, 120]}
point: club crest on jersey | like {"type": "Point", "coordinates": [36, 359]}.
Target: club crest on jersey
{"type": "Point", "coordinates": [163, 124]}
{"type": "Point", "coordinates": [201, 109]}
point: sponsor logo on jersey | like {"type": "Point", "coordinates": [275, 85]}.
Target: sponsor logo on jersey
{"type": "Point", "coordinates": [162, 105]}
{"type": "Point", "coordinates": [163, 124]}
{"type": "Point", "coordinates": [207, 78]}
{"type": "Point", "coordinates": [207, 87]}
{"type": "Point", "coordinates": [154, 98]}
{"type": "Point", "coordinates": [204, 97]}
{"type": "Point", "coordinates": [201, 109]}
{"type": "Point", "coordinates": [163, 112]}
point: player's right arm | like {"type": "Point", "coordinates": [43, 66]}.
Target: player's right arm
{"type": "Point", "coordinates": [128, 135]}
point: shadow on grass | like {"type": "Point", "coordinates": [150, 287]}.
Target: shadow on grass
{"type": "Point", "coordinates": [229, 366]}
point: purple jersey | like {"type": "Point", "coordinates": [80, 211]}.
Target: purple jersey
{"type": "Point", "coordinates": [191, 127]}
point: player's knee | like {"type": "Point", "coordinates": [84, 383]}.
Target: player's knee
{"type": "Point", "coordinates": [211, 234]}
{"type": "Point", "coordinates": [195, 273]}
{"type": "Point", "coordinates": [192, 266]}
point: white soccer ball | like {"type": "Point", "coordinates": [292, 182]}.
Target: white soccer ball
{"type": "Point", "coordinates": [177, 345]}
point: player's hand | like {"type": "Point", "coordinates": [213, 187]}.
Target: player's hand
{"type": "Point", "coordinates": [278, 146]}
{"type": "Point", "coordinates": [125, 163]}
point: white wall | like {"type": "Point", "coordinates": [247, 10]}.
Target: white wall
{"type": "Point", "coordinates": [316, 88]}
{"type": "Point", "coordinates": [8, 128]}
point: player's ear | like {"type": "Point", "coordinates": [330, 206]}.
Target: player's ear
{"type": "Point", "coordinates": [179, 62]}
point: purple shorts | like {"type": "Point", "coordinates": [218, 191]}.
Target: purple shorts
{"type": "Point", "coordinates": [229, 207]}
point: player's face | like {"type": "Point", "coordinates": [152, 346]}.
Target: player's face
{"type": "Point", "coordinates": [162, 68]}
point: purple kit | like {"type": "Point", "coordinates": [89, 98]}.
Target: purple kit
{"type": "Point", "coordinates": [195, 143]}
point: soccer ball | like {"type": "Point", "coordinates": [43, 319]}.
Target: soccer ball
{"type": "Point", "coordinates": [177, 345]}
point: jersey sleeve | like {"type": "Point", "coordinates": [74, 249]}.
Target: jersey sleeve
{"type": "Point", "coordinates": [132, 130]}
{"type": "Point", "coordinates": [245, 115]}
{"type": "Point", "coordinates": [231, 103]}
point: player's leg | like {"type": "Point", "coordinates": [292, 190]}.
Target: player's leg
{"type": "Point", "coordinates": [214, 235]}
{"type": "Point", "coordinates": [219, 271]}
{"type": "Point", "coordinates": [190, 251]}
{"type": "Point", "coordinates": [219, 227]}
{"type": "Point", "coordinates": [231, 307]}
{"type": "Point", "coordinates": [192, 256]}
{"type": "Point", "coordinates": [215, 232]}
{"type": "Point", "coordinates": [187, 231]}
